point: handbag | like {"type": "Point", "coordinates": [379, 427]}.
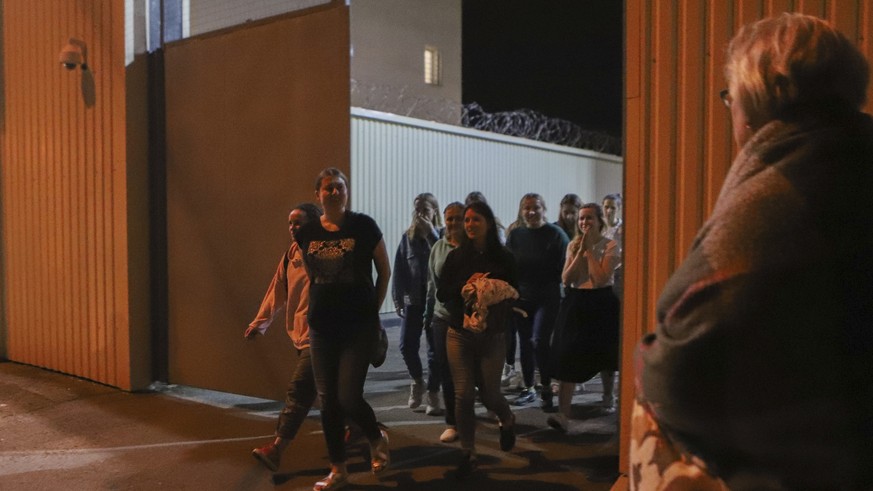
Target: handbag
{"type": "Point", "coordinates": [380, 351]}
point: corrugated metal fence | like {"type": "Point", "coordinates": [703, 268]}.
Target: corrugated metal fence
{"type": "Point", "coordinates": [64, 191]}
{"type": "Point", "coordinates": [394, 158]}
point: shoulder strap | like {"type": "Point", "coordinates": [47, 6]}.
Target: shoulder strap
{"type": "Point", "coordinates": [285, 268]}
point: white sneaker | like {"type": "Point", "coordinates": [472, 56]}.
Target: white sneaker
{"type": "Point", "coordinates": [607, 404]}
{"type": "Point", "coordinates": [416, 391]}
{"type": "Point", "coordinates": [449, 435]}
{"type": "Point", "coordinates": [433, 404]}
{"type": "Point", "coordinates": [508, 374]}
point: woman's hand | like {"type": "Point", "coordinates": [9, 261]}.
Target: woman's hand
{"type": "Point", "coordinates": [424, 225]}
{"type": "Point", "coordinates": [576, 265]}
{"type": "Point", "coordinates": [587, 241]}
{"type": "Point", "coordinates": [251, 333]}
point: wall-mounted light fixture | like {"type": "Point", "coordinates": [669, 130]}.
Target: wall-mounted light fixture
{"type": "Point", "coordinates": [432, 66]}
{"type": "Point", "coordinates": [74, 54]}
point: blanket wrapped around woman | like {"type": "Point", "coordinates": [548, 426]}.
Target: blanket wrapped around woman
{"type": "Point", "coordinates": [762, 359]}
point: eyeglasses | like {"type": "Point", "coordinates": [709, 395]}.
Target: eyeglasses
{"type": "Point", "coordinates": [726, 97]}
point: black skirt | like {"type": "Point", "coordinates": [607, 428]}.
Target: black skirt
{"type": "Point", "coordinates": [585, 341]}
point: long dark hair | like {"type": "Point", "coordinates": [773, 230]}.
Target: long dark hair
{"type": "Point", "coordinates": [311, 211]}
{"type": "Point", "coordinates": [492, 240]}
{"type": "Point", "coordinates": [576, 202]}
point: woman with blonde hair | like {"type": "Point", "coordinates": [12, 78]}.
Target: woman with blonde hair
{"type": "Point", "coordinates": [758, 372]}
{"type": "Point", "coordinates": [587, 330]}
{"type": "Point", "coordinates": [409, 291]}
{"type": "Point", "coordinates": [539, 248]}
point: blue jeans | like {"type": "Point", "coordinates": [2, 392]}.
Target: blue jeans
{"type": "Point", "coordinates": [439, 328]}
{"type": "Point", "coordinates": [476, 360]}
{"type": "Point", "coordinates": [299, 398]}
{"type": "Point", "coordinates": [340, 361]}
{"type": "Point", "coordinates": [535, 337]}
{"type": "Point", "coordinates": [411, 327]}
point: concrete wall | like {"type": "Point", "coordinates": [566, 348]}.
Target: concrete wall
{"type": "Point", "coordinates": [388, 40]}
{"type": "Point", "coordinates": [387, 48]}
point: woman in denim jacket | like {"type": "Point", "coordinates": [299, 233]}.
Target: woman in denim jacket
{"type": "Point", "coordinates": [409, 291]}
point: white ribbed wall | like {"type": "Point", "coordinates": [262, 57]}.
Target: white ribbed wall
{"type": "Point", "coordinates": [211, 15]}
{"type": "Point", "coordinates": [395, 158]}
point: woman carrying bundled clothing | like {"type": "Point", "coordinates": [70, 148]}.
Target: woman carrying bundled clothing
{"type": "Point", "coordinates": [475, 341]}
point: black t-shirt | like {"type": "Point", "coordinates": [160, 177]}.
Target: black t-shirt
{"type": "Point", "coordinates": [340, 268]}
{"type": "Point", "coordinates": [539, 254]}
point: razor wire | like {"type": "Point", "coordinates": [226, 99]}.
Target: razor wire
{"type": "Point", "coordinates": [533, 125]}
{"type": "Point", "coordinates": [522, 123]}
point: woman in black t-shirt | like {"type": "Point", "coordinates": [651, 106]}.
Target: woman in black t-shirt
{"type": "Point", "coordinates": [339, 251]}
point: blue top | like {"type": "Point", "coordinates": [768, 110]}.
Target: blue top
{"type": "Point", "coordinates": [540, 255]}
{"type": "Point", "coordinates": [410, 270]}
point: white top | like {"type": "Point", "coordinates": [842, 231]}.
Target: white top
{"type": "Point", "coordinates": [578, 271]}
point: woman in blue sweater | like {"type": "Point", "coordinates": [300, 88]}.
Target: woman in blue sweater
{"type": "Point", "coordinates": [539, 249]}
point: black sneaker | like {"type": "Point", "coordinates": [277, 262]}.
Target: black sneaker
{"type": "Point", "coordinates": [507, 436]}
{"type": "Point", "coordinates": [558, 422]}
{"type": "Point", "coordinates": [467, 466]}
{"type": "Point", "coordinates": [548, 404]}
{"type": "Point", "coordinates": [526, 397]}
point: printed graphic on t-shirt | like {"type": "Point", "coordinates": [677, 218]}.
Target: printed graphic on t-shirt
{"type": "Point", "coordinates": [332, 260]}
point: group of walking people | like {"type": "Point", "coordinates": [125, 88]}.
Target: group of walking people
{"type": "Point", "coordinates": [469, 286]}
{"type": "Point", "coordinates": [774, 290]}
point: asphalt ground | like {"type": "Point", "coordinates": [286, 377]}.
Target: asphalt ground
{"type": "Point", "coordinates": [62, 432]}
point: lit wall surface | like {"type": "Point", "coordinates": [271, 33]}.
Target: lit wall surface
{"type": "Point", "coordinates": [73, 282]}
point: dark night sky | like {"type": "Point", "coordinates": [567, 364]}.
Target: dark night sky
{"type": "Point", "coordinates": [562, 58]}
